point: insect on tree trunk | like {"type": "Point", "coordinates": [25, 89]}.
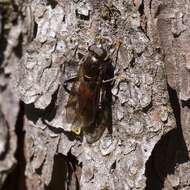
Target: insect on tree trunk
{"type": "Point", "coordinates": [118, 69]}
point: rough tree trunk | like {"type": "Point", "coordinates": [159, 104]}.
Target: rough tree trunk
{"type": "Point", "coordinates": [149, 147]}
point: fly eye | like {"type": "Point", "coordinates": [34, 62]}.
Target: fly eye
{"type": "Point", "coordinates": [98, 52]}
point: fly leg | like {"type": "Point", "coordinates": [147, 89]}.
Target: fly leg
{"type": "Point", "coordinates": [108, 80]}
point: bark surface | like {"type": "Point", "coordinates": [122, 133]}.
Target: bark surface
{"type": "Point", "coordinates": [42, 45]}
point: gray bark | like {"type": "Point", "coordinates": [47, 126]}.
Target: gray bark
{"type": "Point", "coordinates": [149, 144]}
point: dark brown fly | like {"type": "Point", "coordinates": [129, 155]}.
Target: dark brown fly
{"type": "Point", "coordinates": [89, 104]}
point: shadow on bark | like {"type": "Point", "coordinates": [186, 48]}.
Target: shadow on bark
{"type": "Point", "coordinates": [33, 114]}
{"type": "Point", "coordinates": [16, 179]}
{"type": "Point", "coordinates": [3, 38]}
{"type": "Point", "coordinates": [66, 173]}
{"type": "Point", "coordinates": [168, 152]}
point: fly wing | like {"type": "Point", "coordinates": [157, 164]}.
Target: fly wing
{"type": "Point", "coordinates": [103, 119]}
{"type": "Point", "coordinates": [72, 107]}
{"type": "Point", "coordinates": [82, 106]}
{"type": "Point", "coordinates": [89, 94]}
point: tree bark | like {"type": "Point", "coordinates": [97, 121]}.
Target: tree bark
{"type": "Point", "coordinates": [42, 47]}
